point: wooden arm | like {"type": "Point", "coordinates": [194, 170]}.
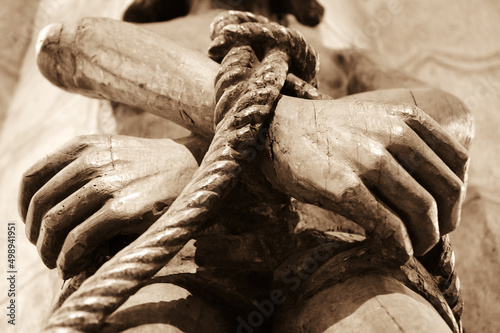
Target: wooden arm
{"type": "Point", "coordinates": [79, 58]}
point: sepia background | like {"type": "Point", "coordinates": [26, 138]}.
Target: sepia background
{"type": "Point", "coordinates": [452, 44]}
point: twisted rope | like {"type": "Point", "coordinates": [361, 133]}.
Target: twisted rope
{"type": "Point", "coordinates": [256, 57]}
{"type": "Point", "coordinates": [440, 262]}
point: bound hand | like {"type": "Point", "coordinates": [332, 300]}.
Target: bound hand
{"type": "Point", "coordinates": [386, 166]}
{"type": "Point", "coordinates": [96, 187]}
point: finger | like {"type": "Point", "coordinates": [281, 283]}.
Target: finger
{"type": "Point", "coordinates": [433, 174]}
{"type": "Point", "coordinates": [59, 187]}
{"type": "Point", "coordinates": [392, 184]}
{"type": "Point", "coordinates": [43, 170]}
{"type": "Point", "coordinates": [83, 240]}
{"type": "Point", "coordinates": [66, 215]}
{"type": "Point", "coordinates": [73, 257]}
{"type": "Point", "coordinates": [444, 145]}
{"type": "Point", "coordinates": [356, 202]}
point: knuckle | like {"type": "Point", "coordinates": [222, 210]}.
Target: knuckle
{"type": "Point", "coordinates": [430, 214]}
{"type": "Point", "coordinates": [121, 211]}
{"type": "Point", "coordinates": [47, 256]}
{"type": "Point", "coordinates": [456, 187]}
{"type": "Point", "coordinates": [455, 209]}
{"type": "Point", "coordinates": [116, 208]}
{"type": "Point", "coordinates": [72, 250]}
{"type": "Point", "coordinates": [88, 160]}
{"type": "Point", "coordinates": [50, 220]}
{"type": "Point", "coordinates": [408, 111]}
{"type": "Point", "coordinates": [398, 131]}
{"type": "Point", "coordinates": [434, 239]}
{"type": "Point", "coordinates": [428, 203]}
{"type": "Point", "coordinates": [27, 175]}
{"type": "Point", "coordinates": [429, 211]}
{"type": "Point", "coordinates": [47, 221]}
{"type": "Point", "coordinates": [93, 161]}
{"type": "Point", "coordinates": [351, 188]}
{"type": "Point", "coordinates": [378, 159]}
{"type": "Point", "coordinates": [434, 236]}
{"type": "Point", "coordinates": [105, 185]}
{"type": "Point", "coordinates": [382, 159]}
{"type": "Point", "coordinates": [35, 202]}
{"type": "Point", "coordinates": [45, 246]}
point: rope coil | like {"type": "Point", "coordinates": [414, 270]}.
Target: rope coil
{"type": "Point", "coordinates": [256, 57]}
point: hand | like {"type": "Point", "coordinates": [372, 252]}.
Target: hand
{"type": "Point", "coordinates": [388, 167]}
{"type": "Point", "coordinates": [96, 187]}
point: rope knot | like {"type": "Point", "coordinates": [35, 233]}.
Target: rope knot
{"type": "Point", "coordinates": [256, 56]}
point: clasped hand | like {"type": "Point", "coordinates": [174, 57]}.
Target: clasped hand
{"type": "Point", "coordinates": [387, 166]}
{"type": "Point", "coordinates": [96, 187]}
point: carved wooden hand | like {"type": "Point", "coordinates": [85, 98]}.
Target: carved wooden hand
{"type": "Point", "coordinates": [96, 187]}
{"type": "Point", "coordinates": [372, 162]}
{"type": "Point", "coordinates": [376, 163]}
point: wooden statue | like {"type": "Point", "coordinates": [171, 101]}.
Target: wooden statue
{"type": "Point", "coordinates": [227, 236]}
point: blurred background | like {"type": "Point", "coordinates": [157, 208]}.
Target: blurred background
{"type": "Point", "coordinates": [452, 44]}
